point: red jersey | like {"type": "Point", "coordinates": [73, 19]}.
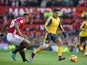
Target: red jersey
{"type": "Point", "coordinates": [12, 29]}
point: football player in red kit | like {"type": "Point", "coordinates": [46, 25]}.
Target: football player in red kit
{"type": "Point", "coordinates": [15, 36]}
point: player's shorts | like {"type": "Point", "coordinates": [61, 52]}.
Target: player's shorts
{"type": "Point", "coordinates": [82, 39]}
{"type": "Point", "coordinates": [48, 37]}
{"type": "Point", "coordinates": [14, 39]}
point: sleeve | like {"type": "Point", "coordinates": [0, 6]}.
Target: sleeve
{"type": "Point", "coordinates": [48, 22]}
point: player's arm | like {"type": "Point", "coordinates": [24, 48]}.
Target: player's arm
{"type": "Point", "coordinates": [61, 28]}
{"type": "Point", "coordinates": [82, 27]}
{"type": "Point", "coordinates": [63, 32]}
{"type": "Point", "coordinates": [48, 22]}
{"type": "Point", "coordinates": [16, 25]}
{"type": "Point", "coordinates": [5, 25]}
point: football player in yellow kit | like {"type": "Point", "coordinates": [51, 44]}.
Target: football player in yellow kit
{"type": "Point", "coordinates": [83, 35]}
{"type": "Point", "coordinates": [51, 26]}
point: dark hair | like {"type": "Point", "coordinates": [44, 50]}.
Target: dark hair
{"type": "Point", "coordinates": [25, 13]}
{"type": "Point", "coordinates": [56, 9]}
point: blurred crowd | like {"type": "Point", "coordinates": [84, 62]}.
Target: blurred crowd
{"type": "Point", "coordinates": [43, 3]}
{"type": "Point", "coordinates": [41, 18]}
{"type": "Point", "coordinates": [71, 20]}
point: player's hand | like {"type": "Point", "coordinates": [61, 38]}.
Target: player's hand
{"type": "Point", "coordinates": [1, 35]}
{"type": "Point", "coordinates": [24, 36]}
{"type": "Point", "coordinates": [64, 34]}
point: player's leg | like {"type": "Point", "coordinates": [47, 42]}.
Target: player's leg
{"type": "Point", "coordinates": [22, 53]}
{"type": "Point", "coordinates": [25, 43]}
{"type": "Point", "coordinates": [81, 47]}
{"type": "Point", "coordinates": [19, 48]}
{"type": "Point", "coordinates": [35, 52]}
{"type": "Point", "coordinates": [82, 39]}
{"type": "Point", "coordinates": [85, 46]}
{"type": "Point", "coordinates": [59, 42]}
{"type": "Point", "coordinates": [84, 42]}
{"type": "Point", "coordinates": [18, 41]}
{"type": "Point", "coordinates": [44, 46]}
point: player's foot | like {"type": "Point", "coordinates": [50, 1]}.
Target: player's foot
{"type": "Point", "coordinates": [28, 61]}
{"type": "Point", "coordinates": [13, 55]}
{"type": "Point", "coordinates": [61, 58]}
{"type": "Point", "coordinates": [32, 56]}
{"type": "Point", "coordinates": [85, 54]}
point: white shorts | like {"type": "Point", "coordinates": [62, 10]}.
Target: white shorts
{"type": "Point", "coordinates": [14, 39]}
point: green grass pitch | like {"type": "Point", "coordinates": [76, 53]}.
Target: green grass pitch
{"type": "Point", "coordinates": [43, 58]}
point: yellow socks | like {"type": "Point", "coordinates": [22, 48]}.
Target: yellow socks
{"type": "Point", "coordinates": [86, 49]}
{"type": "Point", "coordinates": [81, 48]}
{"type": "Point", "coordinates": [37, 50]}
{"type": "Point", "coordinates": [59, 50]}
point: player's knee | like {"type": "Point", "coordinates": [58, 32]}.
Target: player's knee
{"type": "Point", "coordinates": [60, 44]}
{"type": "Point", "coordinates": [45, 46]}
{"type": "Point", "coordinates": [26, 42]}
{"type": "Point", "coordinates": [86, 42]}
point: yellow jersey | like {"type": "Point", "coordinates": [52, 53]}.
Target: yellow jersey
{"type": "Point", "coordinates": [52, 25]}
{"type": "Point", "coordinates": [83, 28]}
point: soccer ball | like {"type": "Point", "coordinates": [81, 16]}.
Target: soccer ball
{"type": "Point", "coordinates": [73, 58]}
{"type": "Point", "coordinates": [85, 54]}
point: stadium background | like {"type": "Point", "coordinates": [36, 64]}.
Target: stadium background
{"type": "Point", "coordinates": [72, 14]}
